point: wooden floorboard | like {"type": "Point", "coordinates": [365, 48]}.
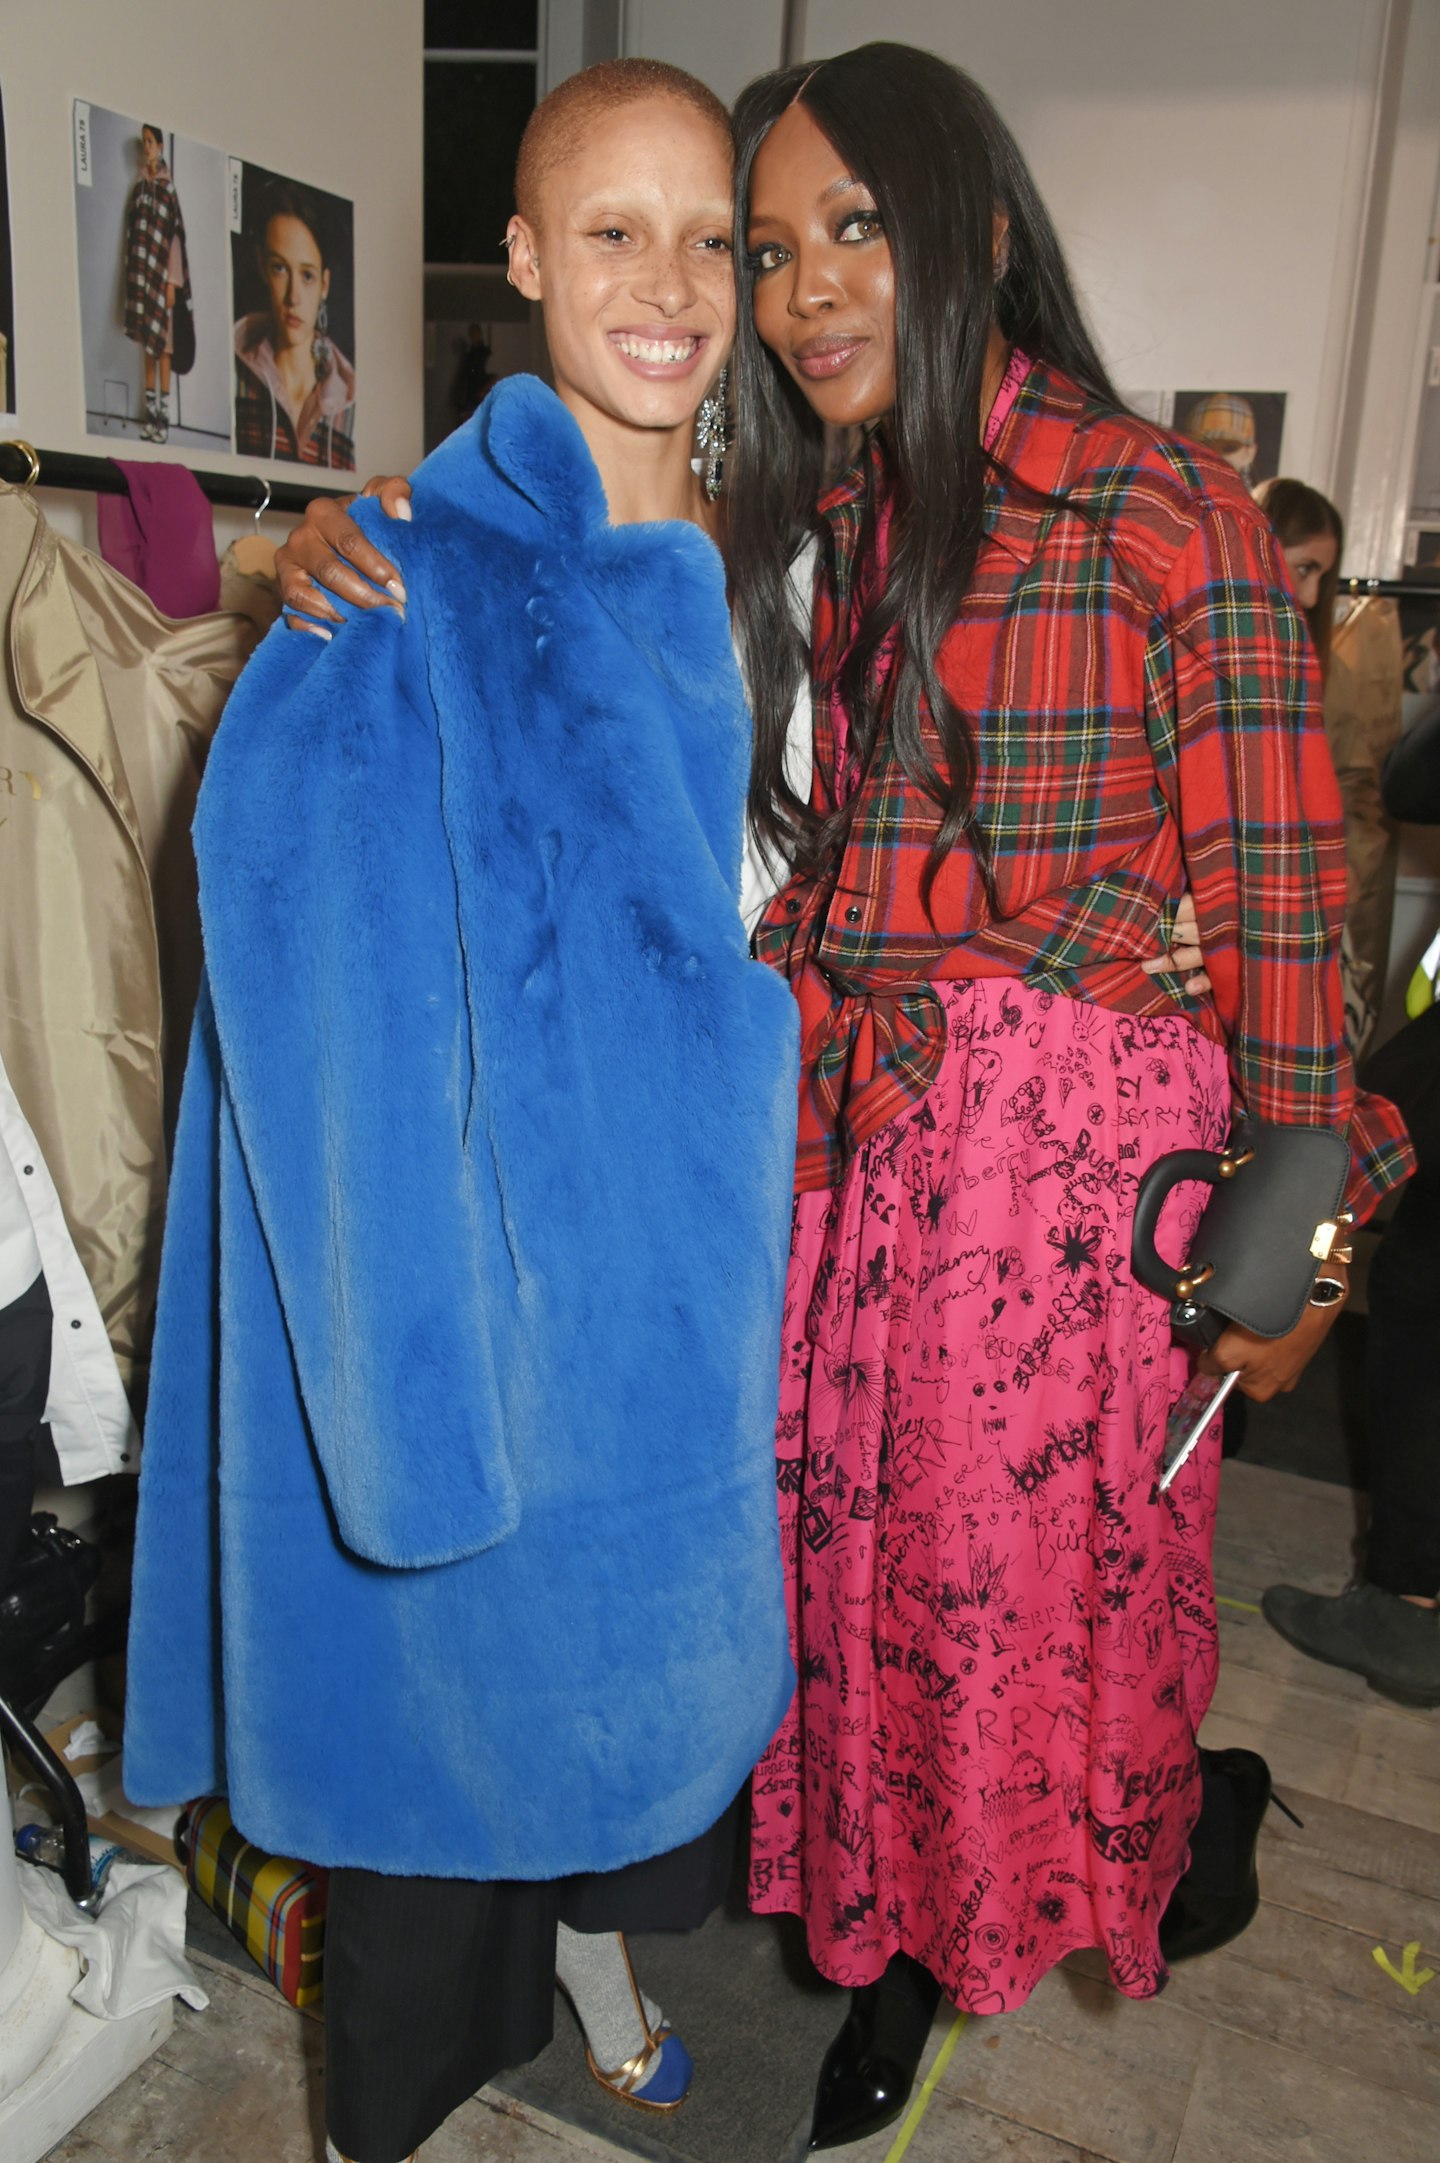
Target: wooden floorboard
{"type": "Point", "coordinates": [1272, 1983]}
{"type": "Point", "coordinates": [1254, 2102]}
{"type": "Point", "coordinates": [1355, 1869]}
{"type": "Point", "coordinates": [1291, 2043]}
{"type": "Point", "coordinates": [1076, 2065]}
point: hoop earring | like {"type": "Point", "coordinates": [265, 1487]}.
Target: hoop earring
{"type": "Point", "coordinates": [713, 432]}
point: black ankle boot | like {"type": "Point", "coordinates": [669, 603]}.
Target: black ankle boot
{"type": "Point", "coordinates": [870, 2067]}
{"type": "Point", "coordinates": [1220, 1891]}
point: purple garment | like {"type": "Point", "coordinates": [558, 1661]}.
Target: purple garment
{"type": "Point", "coordinates": [161, 537]}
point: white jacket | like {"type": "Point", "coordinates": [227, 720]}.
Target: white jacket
{"type": "Point", "coordinates": [91, 1423]}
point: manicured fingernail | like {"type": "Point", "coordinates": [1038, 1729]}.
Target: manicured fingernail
{"type": "Point", "coordinates": [316, 630]}
{"type": "Point", "coordinates": [397, 587]}
{"type": "Point", "coordinates": [402, 509]}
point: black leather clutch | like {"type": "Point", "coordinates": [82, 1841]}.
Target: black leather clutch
{"type": "Point", "coordinates": [1272, 1219]}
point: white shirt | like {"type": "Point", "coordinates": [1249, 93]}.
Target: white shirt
{"type": "Point", "coordinates": [91, 1423]}
{"type": "Point", "coordinates": [760, 878]}
{"type": "Point", "coordinates": [19, 1255]}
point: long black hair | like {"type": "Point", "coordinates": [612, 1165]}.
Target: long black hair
{"type": "Point", "coordinates": [939, 162]}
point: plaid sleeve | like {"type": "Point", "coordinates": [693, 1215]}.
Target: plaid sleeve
{"type": "Point", "coordinates": [1233, 705]}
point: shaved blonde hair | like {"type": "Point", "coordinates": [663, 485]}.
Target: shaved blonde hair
{"type": "Point", "coordinates": [558, 122]}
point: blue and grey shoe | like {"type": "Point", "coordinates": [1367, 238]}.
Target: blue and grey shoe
{"type": "Point", "coordinates": [657, 2077]}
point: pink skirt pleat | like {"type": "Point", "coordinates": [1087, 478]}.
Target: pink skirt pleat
{"type": "Point", "coordinates": [1004, 1632]}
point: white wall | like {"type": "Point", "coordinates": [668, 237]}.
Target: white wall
{"type": "Point", "coordinates": [329, 92]}
{"type": "Point", "coordinates": [725, 42]}
{"type": "Point", "coordinates": [1215, 170]}
{"type": "Point", "coordinates": [1206, 167]}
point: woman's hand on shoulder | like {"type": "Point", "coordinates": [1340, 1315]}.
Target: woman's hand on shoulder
{"type": "Point", "coordinates": [1271, 1366]}
{"type": "Point", "coordinates": [327, 549]}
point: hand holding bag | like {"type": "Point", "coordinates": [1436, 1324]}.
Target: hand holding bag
{"type": "Point", "coordinates": [1274, 1216]}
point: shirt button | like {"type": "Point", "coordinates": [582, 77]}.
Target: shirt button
{"type": "Point", "coordinates": [74, 1325]}
{"type": "Point", "coordinates": [29, 1168]}
{"type": "Point", "coordinates": [852, 914]}
{"type": "Point", "coordinates": [792, 908]}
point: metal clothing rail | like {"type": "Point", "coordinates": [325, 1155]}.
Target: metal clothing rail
{"type": "Point", "coordinates": [1390, 589]}
{"type": "Point", "coordinates": [22, 465]}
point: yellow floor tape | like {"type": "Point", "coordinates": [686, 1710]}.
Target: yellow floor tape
{"type": "Point", "coordinates": [1246, 1607]}
{"type": "Point", "coordinates": [922, 2101]}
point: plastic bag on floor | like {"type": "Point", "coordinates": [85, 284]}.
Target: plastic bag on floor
{"type": "Point", "coordinates": [133, 1947]}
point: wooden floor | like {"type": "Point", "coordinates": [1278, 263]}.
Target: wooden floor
{"type": "Point", "coordinates": [1292, 2043]}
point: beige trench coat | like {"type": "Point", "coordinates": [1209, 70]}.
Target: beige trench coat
{"type": "Point", "coordinates": [1362, 720]}
{"type": "Point", "coordinates": [106, 713]}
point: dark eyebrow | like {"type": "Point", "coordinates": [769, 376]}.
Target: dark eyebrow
{"type": "Point", "coordinates": [837, 187]}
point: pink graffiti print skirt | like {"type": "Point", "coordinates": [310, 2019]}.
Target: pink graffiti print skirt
{"type": "Point", "coordinates": [1004, 1632]}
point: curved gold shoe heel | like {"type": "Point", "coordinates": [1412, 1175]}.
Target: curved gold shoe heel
{"type": "Point", "coordinates": [621, 2083]}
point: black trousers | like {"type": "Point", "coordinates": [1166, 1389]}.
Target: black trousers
{"type": "Point", "coordinates": [434, 1985]}
{"type": "Point", "coordinates": [1403, 1389]}
{"type": "Point", "coordinates": [25, 1332]}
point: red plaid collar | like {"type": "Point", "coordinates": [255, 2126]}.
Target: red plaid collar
{"type": "Point", "coordinates": [1032, 445]}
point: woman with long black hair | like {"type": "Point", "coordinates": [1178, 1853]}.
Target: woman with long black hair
{"type": "Point", "coordinates": [1058, 677]}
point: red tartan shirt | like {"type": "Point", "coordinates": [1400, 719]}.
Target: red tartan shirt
{"type": "Point", "coordinates": [1146, 708]}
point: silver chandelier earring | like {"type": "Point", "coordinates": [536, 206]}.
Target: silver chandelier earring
{"type": "Point", "coordinates": [712, 432]}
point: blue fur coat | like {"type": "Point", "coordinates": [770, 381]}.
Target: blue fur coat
{"type": "Point", "coordinates": [457, 1548]}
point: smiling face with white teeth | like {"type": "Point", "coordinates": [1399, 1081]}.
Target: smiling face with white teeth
{"type": "Point", "coordinates": [629, 256]}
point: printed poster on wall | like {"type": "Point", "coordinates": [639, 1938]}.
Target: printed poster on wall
{"type": "Point", "coordinates": [1247, 428]}
{"type": "Point", "coordinates": [7, 283]}
{"type": "Point", "coordinates": [154, 280]}
{"type": "Point", "coordinates": [293, 262]}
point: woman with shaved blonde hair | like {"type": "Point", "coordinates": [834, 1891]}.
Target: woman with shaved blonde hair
{"type": "Point", "coordinates": [482, 1394]}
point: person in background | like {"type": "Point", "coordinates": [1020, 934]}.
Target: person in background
{"type": "Point", "coordinates": [1361, 665]}
{"type": "Point", "coordinates": [294, 388]}
{"type": "Point", "coordinates": [1311, 534]}
{"type": "Point", "coordinates": [1386, 1625]}
{"type": "Point", "coordinates": [154, 273]}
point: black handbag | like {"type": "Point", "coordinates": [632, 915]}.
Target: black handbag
{"type": "Point", "coordinates": [1274, 1216]}
{"type": "Point", "coordinates": [182, 330]}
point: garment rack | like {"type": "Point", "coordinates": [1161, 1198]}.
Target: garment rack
{"type": "Point", "coordinates": [69, 469]}
{"type": "Point", "coordinates": [1389, 589]}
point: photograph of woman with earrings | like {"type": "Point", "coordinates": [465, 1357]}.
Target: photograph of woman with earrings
{"type": "Point", "coordinates": [294, 377]}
